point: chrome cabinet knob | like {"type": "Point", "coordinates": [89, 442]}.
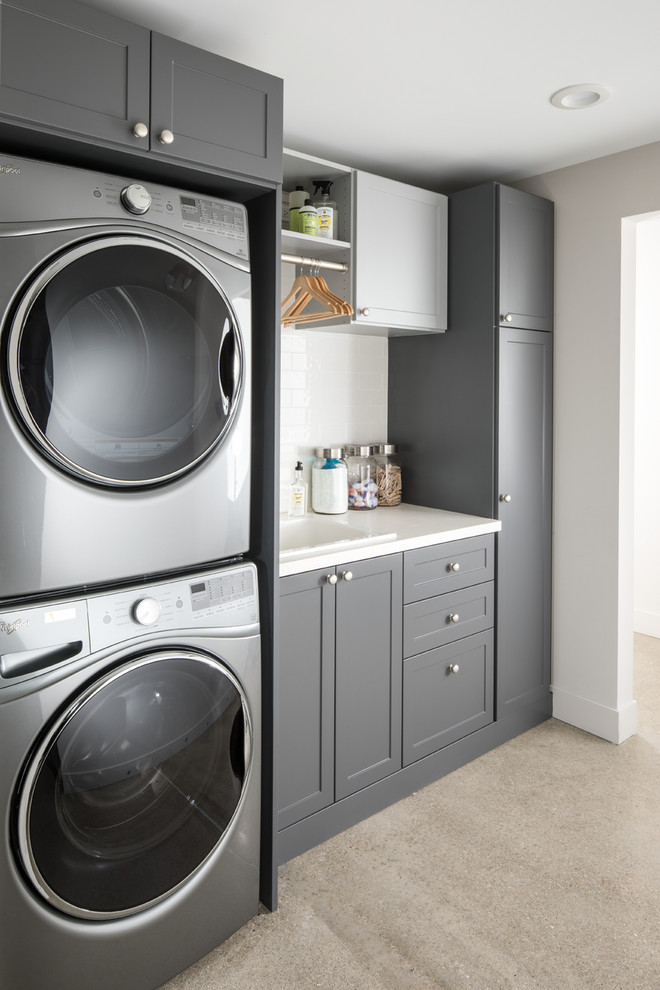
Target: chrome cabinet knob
{"type": "Point", "coordinates": [140, 130]}
{"type": "Point", "coordinates": [453, 668]}
{"type": "Point", "coordinates": [508, 318]}
{"type": "Point", "coordinates": [455, 567]}
{"type": "Point", "coordinates": [505, 498]}
{"type": "Point", "coordinates": [365, 312]}
{"type": "Point", "coordinates": [454, 617]}
{"type": "Point", "coordinates": [166, 137]}
{"type": "Point", "coordinates": [332, 579]}
{"type": "Point", "coordinates": [347, 575]}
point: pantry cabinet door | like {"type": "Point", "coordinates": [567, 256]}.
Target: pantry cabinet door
{"type": "Point", "coordinates": [400, 266]}
{"type": "Point", "coordinates": [72, 69]}
{"type": "Point", "coordinates": [220, 113]}
{"type": "Point", "coordinates": [526, 260]}
{"type": "Point", "coordinates": [368, 672]}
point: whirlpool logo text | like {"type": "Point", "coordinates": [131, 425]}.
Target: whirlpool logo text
{"type": "Point", "coordinates": [9, 170]}
{"type": "Point", "coordinates": [12, 627]}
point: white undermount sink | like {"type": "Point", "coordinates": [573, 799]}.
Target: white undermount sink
{"type": "Point", "coordinates": [312, 532]}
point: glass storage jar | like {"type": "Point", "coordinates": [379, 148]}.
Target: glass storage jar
{"type": "Point", "coordinates": [329, 481]}
{"type": "Point", "coordinates": [388, 473]}
{"type": "Point", "coordinates": [362, 485]}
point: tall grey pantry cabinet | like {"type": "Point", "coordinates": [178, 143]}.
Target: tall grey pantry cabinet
{"type": "Point", "coordinates": [472, 413]}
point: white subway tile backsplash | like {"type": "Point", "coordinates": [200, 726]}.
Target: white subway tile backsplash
{"type": "Point", "coordinates": [334, 391]}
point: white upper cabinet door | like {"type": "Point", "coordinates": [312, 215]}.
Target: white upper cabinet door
{"type": "Point", "coordinates": [400, 255]}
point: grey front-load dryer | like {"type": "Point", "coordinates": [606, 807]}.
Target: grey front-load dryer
{"type": "Point", "coordinates": [125, 391]}
{"type": "Point", "coordinates": [129, 781]}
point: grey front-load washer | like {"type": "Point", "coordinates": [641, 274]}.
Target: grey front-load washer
{"type": "Point", "coordinates": [124, 379]}
{"type": "Point", "coordinates": [129, 781]}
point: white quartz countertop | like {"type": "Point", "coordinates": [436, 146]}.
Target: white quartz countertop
{"type": "Point", "coordinates": [326, 541]}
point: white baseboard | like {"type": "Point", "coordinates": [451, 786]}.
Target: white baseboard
{"type": "Point", "coordinates": [614, 725]}
{"type": "Point", "coordinates": [647, 623]}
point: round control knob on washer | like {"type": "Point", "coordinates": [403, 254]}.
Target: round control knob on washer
{"type": "Point", "coordinates": [146, 611]}
{"type": "Point", "coordinates": [135, 198]}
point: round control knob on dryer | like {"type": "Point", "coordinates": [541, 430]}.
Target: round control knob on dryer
{"type": "Point", "coordinates": [146, 611]}
{"type": "Point", "coordinates": [135, 198]}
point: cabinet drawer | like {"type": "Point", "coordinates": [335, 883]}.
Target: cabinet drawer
{"type": "Point", "coordinates": [441, 703]}
{"type": "Point", "coordinates": [435, 570]}
{"type": "Point", "coordinates": [437, 621]}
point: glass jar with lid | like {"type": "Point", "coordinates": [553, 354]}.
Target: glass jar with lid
{"type": "Point", "coordinates": [362, 484]}
{"type": "Point", "coordinates": [329, 481]}
{"type": "Point", "coordinates": [388, 473]}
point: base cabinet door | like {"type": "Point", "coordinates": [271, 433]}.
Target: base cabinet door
{"type": "Point", "coordinates": [306, 710]}
{"type": "Point", "coordinates": [368, 673]}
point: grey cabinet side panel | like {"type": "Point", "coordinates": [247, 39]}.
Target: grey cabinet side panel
{"type": "Point", "coordinates": [305, 726]}
{"type": "Point", "coordinates": [368, 674]}
{"type": "Point", "coordinates": [526, 259]}
{"type": "Point", "coordinates": [221, 113]}
{"type": "Point", "coordinates": [524, 544]}
{"type": "Point", "coordinates": [72, 68]}
{"type": "Point", "coordinates": [441, 390]}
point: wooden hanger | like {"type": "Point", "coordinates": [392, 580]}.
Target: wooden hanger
{"type": "Point", "coordinates": [303, 290]}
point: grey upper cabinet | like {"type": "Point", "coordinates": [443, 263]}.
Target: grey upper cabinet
{"type": "Point", "coordinates": [75, 71]}
{"type": "Point", "coordinates": [526, 265]}
{"type": "Point", "coordinates": [70, 68]}
{"type": "Point", "coordinates": [472, 412]}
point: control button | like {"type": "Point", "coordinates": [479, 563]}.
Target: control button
{"type": "Point", "coordinates": [146, 611]}
{"type": "Point", "coordinates": [135, 198]}
{"type": "Point", "coordinates": [97, 194]}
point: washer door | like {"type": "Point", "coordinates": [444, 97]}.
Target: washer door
{"type": "Point", "coordinates": [125, 361]}
{"type": "Point", "coordinates": [134, 785]}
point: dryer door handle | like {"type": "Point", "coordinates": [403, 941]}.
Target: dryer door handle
{"type": "Point", "coordinates": [229, 367]}
{"type": "Point", "coordinates": [30, 661]}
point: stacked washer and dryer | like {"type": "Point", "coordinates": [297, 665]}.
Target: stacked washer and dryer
{"type": "Point", "coordinates": [130, 682]}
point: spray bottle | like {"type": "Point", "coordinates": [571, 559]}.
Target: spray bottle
{"type": "Point", "coordinates": [326, 209]}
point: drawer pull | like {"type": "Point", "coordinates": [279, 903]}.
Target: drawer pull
{"type": "Point", "coordinates": [454, 617]}
{"type": "Point", "coordinates": [347, 575]}
{"type": "Point", "coordinates": [455, 567]}
{"type": "Point", "coordinates": [453, 668]}
{"type": "Point", "coordinates": [331, 579]}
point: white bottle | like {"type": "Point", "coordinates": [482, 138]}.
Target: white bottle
{"type": "Point", "coordinates": [297, 494]}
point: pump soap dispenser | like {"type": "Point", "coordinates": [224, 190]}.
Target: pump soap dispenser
{"type": "Point", "coordinates": [298, 494]}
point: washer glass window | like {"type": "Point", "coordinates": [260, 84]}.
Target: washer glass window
{"type": "Point", "coordinates": [135, 785]}
{"type": "Point", "coordinates": [125, 361]}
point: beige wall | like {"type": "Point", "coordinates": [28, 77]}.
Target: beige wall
{"type": "Point", "coordinates": [593, 439]}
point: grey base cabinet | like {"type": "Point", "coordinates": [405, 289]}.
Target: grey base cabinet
{"type": "Point", "coordinates": [77, 72]}
{"type": "Point", "coordinates": [339, 686]}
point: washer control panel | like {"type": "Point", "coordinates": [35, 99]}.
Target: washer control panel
{"type": "Point", "coordinates": [223, 599]}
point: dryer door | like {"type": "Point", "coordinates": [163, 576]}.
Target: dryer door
{"type": "Point", "coordinates": [125, 361]}
{"type": "Point", "coordinates": [135, 785]}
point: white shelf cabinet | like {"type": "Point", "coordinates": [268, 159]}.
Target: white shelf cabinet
{"type": "Point", "coordinates": [393, 239]}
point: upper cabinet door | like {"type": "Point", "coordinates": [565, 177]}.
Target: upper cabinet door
{"type": "Point", "coordinates": [400, 255]}
{"type": "Point", "coordinates": [526, 260]}
{"type": "Point", "coordinates": [68, 67]}
{"type": "Point", "coordinates": [210, 110]}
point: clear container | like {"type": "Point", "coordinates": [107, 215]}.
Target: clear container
{"type": "Point", "coordinates": [329, 481]}
{"type": "Point", "coordinates": [362, 485]}
{"type": "Point", "coordinates": [388, 473]}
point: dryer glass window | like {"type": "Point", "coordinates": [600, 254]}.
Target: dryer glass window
{"type": "Point", "coordinates": [126, 362]}
{"type": "Point", "coordinates": [135, 786]}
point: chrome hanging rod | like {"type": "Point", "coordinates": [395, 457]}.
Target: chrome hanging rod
{"type": "Point", "coordinates": [298, 259]}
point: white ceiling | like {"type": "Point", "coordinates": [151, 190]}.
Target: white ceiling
{"type": "Point", "coordinates": [439, 94]}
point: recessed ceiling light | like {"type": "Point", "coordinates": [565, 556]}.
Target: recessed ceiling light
{"type": "Point", "coordinates": [580, 97]}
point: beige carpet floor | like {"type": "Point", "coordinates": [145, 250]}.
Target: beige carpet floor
{"type": "Point", "coordinates": [535, 866]}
